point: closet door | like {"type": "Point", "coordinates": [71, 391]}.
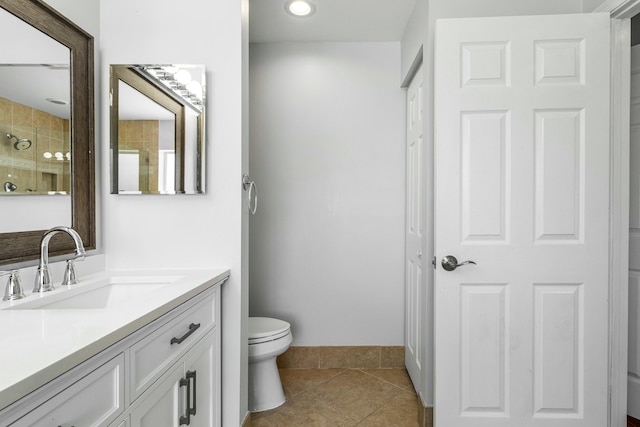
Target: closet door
{"type": "Point", "coordinates": [415, 304]}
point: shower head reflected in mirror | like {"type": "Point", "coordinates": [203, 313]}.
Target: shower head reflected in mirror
{"type": "Point", "coordinates": [21, 144]}
{"type": "Point", "coordinates": [9, 187]}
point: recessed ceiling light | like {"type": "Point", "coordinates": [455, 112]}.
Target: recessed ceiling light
{"type": "Point", "coordinates": [300, 8]}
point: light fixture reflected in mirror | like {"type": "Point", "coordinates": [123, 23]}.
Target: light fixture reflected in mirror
{"type": "Point", "coordinates": [300, 8]}
{"type": "Point", "coordinates": [183, 76]}
{"type": "Point", "coordinates": [178, 80]}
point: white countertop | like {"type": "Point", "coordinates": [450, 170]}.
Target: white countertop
{"type": "Point", "coordinates": [39, 345]}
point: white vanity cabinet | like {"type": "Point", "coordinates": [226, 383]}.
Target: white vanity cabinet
{"type": "Point", "coordinates": [165, 374]}
{"type": "Point", "coordinates": [94, 400]}
{"type": "Point", "coordinates": [186, 393]}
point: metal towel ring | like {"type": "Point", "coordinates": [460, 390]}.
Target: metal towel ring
{"type": "Point", "coordinates": [247, 184]}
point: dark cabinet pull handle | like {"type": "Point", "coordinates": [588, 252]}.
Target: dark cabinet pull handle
{"type": "Point", "coordinates": [191, 388]}
{"type": "Point", "coordinates": [192, 328]}
{"type": "Point", "coordinates": [186, 419]}
{"type": "Point", "coordinates": [192, 375]}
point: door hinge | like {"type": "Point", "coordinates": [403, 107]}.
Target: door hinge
{"type": "Point", "coordinates": [433, 262]}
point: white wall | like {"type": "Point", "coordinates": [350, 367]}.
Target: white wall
{"type": "Point", "coordinates": [327, 135]}
{"type": "Point", "coordinates": [414, 36]}
{"type": "Point", "coordinates": [467, 8]}
{"type": "Point", "coordinates": [591, 5]}
{"type": "Point", "coordinates": [84, 13]}
{"type": "Point", "coordinates": [187, 231]}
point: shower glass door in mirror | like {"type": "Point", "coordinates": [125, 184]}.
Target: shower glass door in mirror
{"type": "Point", "coordinates": [157, 129]}
{"type": "Point", "coordinates": [35, 143]}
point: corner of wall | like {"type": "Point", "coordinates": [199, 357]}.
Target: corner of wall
{"type": "Point", "coordinates": [411, 45]}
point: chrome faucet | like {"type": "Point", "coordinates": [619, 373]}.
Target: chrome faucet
{"type": "Point", "coordinates": [43, 279]}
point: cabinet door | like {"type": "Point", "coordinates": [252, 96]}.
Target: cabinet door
{"type": "Point", "coordinates": [162, 406]}
{"type": "Point", "coordinates": [202, 363]}
{"type": "Point", "coordinates": [95, 400]}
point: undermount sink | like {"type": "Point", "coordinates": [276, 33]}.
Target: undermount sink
{"type": "Point", "coordinates": [115, 292]}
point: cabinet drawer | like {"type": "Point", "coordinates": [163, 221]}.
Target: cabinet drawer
{"type": "Point", "coordinates": [154, 353]}
{"type": "Point", "coordinates": [95, 400]}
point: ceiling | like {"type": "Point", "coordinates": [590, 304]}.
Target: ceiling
{"type": "Point", "coordinates": [333, 21]}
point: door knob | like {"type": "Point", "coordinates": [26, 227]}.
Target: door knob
{"type": "Point", "coordinates": [450, 263]}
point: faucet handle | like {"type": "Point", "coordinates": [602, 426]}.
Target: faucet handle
{"type": "Point", "coordinates": [43, 280]}
{"type": "Point", "coordinates": [69, 274]}
{"type": "Point", "coordinates": [13, 291]}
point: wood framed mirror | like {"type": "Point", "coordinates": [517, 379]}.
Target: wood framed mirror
{"type": "Point", "coordinates": [24, 244]}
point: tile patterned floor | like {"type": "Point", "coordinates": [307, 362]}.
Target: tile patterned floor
{"type": "Point", "coordinates": [343, 398]}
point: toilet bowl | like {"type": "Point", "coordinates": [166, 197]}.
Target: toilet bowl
{"type": "Point", "coordinates": [268, 338]}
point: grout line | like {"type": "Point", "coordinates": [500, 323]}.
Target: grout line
{"type": "Point", "coordinates": [320, 400]}
{"type": "Point", "coordinates": [389, 382]}
{"type": "Point", "coordinates": [342, 371]}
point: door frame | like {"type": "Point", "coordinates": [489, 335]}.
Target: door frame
{"type": "Point", "coordinates": [620, 12]}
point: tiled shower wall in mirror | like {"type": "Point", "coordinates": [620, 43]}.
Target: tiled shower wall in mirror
{"type": "Point", "coordinates": [35, 151]}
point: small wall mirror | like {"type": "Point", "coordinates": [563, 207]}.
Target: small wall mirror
{"type": "Point", "coordinates": [157, 129]}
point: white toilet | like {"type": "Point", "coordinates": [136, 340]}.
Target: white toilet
{"type": "Point", "coordinates": [268, 338]}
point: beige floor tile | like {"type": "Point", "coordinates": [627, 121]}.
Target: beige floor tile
{"type": "Point", "coordinates": [295, 381]}
{"type": "Point", "coordinates": [398, 377]}
{"type": "Point", "coordinates": [349, 357]}
{"type": "Point", "coordinates": [355, 393]}
{"type": "Point", "coordinates": [343, 397]}
{"type": "Point", "coordinates": [300, 357]}
{"type": "Point", "coordinates": [303, 409]}
{"type": "Point", "coordinates": [402, 411]}
{"type": "Point", "coordinates": [392, 357]}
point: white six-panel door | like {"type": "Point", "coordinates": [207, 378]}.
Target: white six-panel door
{"type": "Point", "coordinates": [522, 189]}
{"type": "Point", "coordinates": [415, 299]}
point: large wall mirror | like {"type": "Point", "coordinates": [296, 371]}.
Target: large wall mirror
{"type": "Point", "coordinates": [46, 130]}
{"type": "Point", "coordinates": [157, 129]}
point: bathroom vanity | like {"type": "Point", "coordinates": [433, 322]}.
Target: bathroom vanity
{"type": "Point", "coordinates": [119, 349]}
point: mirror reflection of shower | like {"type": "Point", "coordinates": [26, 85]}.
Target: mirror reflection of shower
{"type": "Point", "coordinates": [35, 159]}
{"type": "Point", "coordinates": [10, 187]}
{"type": "Point", "coordinates": [21, 144]}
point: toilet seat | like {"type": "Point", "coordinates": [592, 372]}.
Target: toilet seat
{"type": "Point", "coordinates": [265, 329]}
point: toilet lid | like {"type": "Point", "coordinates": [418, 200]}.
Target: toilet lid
{"type": "Point", "coordinates": [266, 327]}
